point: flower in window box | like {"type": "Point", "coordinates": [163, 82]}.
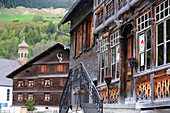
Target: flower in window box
{"type": "Point", "coordinates": [82, 91]}
{"type": "Point", "coordinates": [75, 92]}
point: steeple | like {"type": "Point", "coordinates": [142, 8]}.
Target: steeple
{"type": "Point", "coordinates": [23, 52]}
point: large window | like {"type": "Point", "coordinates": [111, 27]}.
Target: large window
{"type": "Point", "coordinates": [163, 42]}
{"type": "Point", "coordinates": [104, 60]}
{"type": "Point", "coordinates": [163, 33]}
{"type": "Point", "coordinates": [115, 55]}
{"type": "Point", "coordinates": [144, 41]}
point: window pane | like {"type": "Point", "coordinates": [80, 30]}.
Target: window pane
{"type": "Point", "coordinates": [102, 76]}
{"type": "Point", "coordinates": [160, 55]}
{"type": "Point", "coordinates": [148, 59]}
{"type": "Point", "coordinates": [168, 29]}
{"type": "Point", "coordinates": [113, 71]}
{"type": "Point", "coordinates": [160, 33]}
{"type": "Point", "coordinates": [21, 54]}
{"type": "Point", "coordinates": [106, 59]}
{"type": "Point", "coordinates": [113, 55]}
{"type": "Point", "coordinates": [149, 39]}
{"type": "Point", "coordinates": [168, 53]}
{"type": "Point", "coordinates": [102, 61]}
{"type": "Point", "coordinates": [142, 62]}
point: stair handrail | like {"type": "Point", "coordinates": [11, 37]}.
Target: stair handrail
{"type": "Point", "coordinates": [62, 96]}
{"type": "Point", "coordinates": [91, 81]}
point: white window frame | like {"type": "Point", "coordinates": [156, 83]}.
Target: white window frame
{"type": "Point", "coordinates": [104, 53]}
{"type": "Point", "coordinates": [20, 97]}
{"type": "Point", "coordinates": [160, 21]}
{"type": "Point", "coordinates": [20, 84]}
{"type": "Point", "coordinates": [47, 83]}
{"type": "Point", "coordinates": [30, 83]}
{"type": "Point", "coordinates": [115, 45]}
{"type": "Point", "coordinates": [30, 97]}
{"type": "Point", "coordinates": [139, 33]}
{"type": "Point", "coordinates": [164, 43]}
{"type": "Point", "coordinates": [47, 97]}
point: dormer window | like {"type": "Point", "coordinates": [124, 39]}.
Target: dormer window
{"type": "Point", "coordinates": [20, 84]}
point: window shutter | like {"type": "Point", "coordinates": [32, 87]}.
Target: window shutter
{"type": "Point", "coordinates": [26, 83]}
{"type": "Point", "coordinates": [51, 96]}
{"type": "Point", "coordinates": [42, 81]}
{"type": "Point", "coordinates": [51, 82]}
{"type": "Point", "coordinates": [16, 83]}
{"type": "Point", "coordinates": [33, 96]}
{"type": "Point", "coordinates": [15, 97]}
{"type": "Point", "coordinates": [42, 97]}
{"type": "Point", "coordinates": [34, 82]}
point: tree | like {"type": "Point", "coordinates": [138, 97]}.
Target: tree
{"type": "Point", "coordinates": [30, 104]}
{"type": "Point", "coordinates": [37, 18]}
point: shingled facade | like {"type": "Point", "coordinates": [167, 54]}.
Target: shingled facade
{"type": "Point", "coordinates": [42, 78]}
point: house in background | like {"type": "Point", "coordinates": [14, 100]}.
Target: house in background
{"type": "Point", "coordinates": [128, 40]}
{"type": "Point", "coordinates": [6, 84]}
{"type": "Point", "coordinates": [6, 66]}
{"type": "Point", "coordinates": [42, 78]}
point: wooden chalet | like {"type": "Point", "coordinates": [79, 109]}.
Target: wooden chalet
{"type": "Point", "coordinates": [42, 78]}
{"type": "Point", "coordinates": [128, 40]}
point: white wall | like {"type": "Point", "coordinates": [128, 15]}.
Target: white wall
{"type": "Point", "coordinates": [3, 97]}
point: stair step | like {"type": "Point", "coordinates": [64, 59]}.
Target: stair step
{"type": "Point", "coordinates": [89, 108]}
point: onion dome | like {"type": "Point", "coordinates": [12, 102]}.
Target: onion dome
{"type": "Point", "coordinates": [23, 44]}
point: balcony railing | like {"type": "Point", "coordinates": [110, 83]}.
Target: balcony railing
{"type": "Point", "coordinates": [109, 10]}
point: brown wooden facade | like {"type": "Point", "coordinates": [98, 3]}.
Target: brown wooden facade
{"type": "Point", "coordinates": [130, 43]}
{"type": "Point", "coordinates": [42, 78]}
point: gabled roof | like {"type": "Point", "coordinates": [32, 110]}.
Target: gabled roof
{"type": "Point", "coordinates": [6, 67]}
{"type": "Point", "coordinates": [29, 63]}
{"type": "Point", "coordinates": [76, 7]}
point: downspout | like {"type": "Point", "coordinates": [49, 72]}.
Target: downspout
{"type": "Point", "coordinates": [58, 29]}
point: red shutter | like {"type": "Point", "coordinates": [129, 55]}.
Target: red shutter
{"type": "Point", "coordinates": [34, 82]}
{"type": "Point", "coordinates": [42, 81]}
{"type": "Point", "coordinates": [26, 83]}
{"type": "Point", "coordinates": [51, 82]}
{"type": "Point", "coordinates": [51, 96]}
{"type": "Point", "coordinates": [42, 97]}
{"type": "Point", "coordinates": [16, 83]}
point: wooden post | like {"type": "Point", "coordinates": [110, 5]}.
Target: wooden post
{"type": "Point", "coordinates": [152, 54]}
{"type": "Point", "coordinates": [122, 71]}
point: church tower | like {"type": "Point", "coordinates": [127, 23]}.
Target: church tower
{"type": "Point", "coordinates": [23, 53]}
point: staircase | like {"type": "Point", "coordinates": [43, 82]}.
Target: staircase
{"type": "Point", "coordinates": [80, 94]}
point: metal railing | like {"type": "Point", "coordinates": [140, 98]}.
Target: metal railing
{"type": "Point", "coordinates": [80, 90]}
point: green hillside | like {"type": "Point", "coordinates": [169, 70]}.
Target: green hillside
{"type": "Point", "coordinates": [27, 14]}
